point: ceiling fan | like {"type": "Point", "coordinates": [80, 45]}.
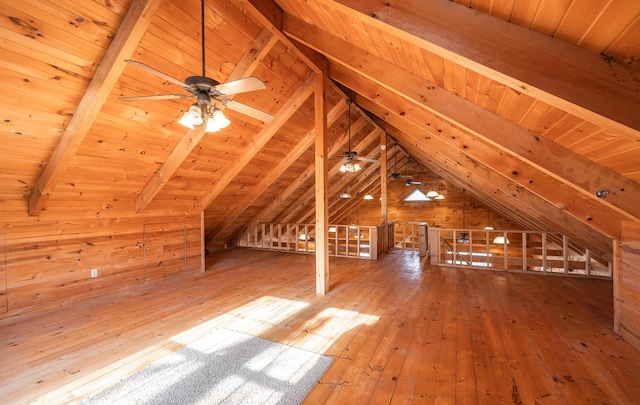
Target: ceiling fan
{"type": "Point", "coordinates": [395, 175]}
{"type": "Point", "coordinates": [207, 90]}
{"type": "Point", "coordinates": [350, 157]}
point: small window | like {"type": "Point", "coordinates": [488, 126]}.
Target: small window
{"type": "Point", "coordinates": [416, 195]}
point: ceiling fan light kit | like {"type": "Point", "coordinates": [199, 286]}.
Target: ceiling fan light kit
{"type": "Point", "coordinates": [349, 164]}
{"type": "Point", "coordinates": [207, 89]}
{"type": "Point", "coordinates": [350, 167]}
{"type": "Point", "coordinates": [192, 117]}
{"type": "Point", "coordinates": [217, 121]}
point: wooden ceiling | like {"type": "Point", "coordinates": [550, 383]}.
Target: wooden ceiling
{"type": "Point", "coordinates": [531, 105]}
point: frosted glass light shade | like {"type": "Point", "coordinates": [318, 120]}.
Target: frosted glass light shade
{"type": "Point", "coordinates": [350, 167]}
{"type": "Point", "coordinates": [191, 117]}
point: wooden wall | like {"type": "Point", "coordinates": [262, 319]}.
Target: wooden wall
{"type": "Point", "coordinates": [48, 262]}
{"type": "Point", "coordinates": [627, 284]}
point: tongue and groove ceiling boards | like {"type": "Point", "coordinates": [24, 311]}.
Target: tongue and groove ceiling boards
{"type": "Point", "coordinates": [532, 106]}
{"type": "Point", "coordinates": [528, 114]}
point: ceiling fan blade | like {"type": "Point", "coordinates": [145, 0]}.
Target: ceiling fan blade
{"type": "Point", "coordinates": [161, 75]}
{"type": "Point", "coordinates": [156, 97]}
{"type": "Point", "coordinates": [238, 86]}
{"type": "Point", "coordinates": [246, 110]}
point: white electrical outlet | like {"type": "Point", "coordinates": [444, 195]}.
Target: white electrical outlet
{"type": "Point", "coordinates": [94, 273]}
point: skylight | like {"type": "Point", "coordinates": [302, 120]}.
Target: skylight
{"type": "Point", "coordinates": [416, 195]}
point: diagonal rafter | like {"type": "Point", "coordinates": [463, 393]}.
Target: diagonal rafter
{"type": "Point", "coordinates": [403, 85]}
{"type": "Point", "coordinates": [560, 74]}
{"type": "Point", "coordinates": [277, 171]}
{"type": "Point", "coordinates": [305, 200]}
{"type": "Point", "coordinates": [553, 159]}
{"type": "Point", "coordinates": [482, 176]}
{"type": "Point", "coordinates": [111, 67]}
{"type": "Point", "coordinates": [513, 170]}
{"type": "Point", "coordinates": [287, 110]}
{"type": "Point", "coordinates": [302, 179]}
{"type": "Point", "coordinates": [249, 62]}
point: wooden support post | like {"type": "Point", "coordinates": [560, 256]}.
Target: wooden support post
{"type": "Point", "coordinates": [383, 179]}
{"type": "Point", "coordinates": [617, 275]}
{"type": "Point", "coordinates": [434, 246]}
{"type": "Point", "coordinates": [202, 243]}
{"type": "Point", "coordinates": [422, 240]}
{"type": "Point", "coordinates": [4, 302]}
{"type": "Point", "coordinates": [588, 262]}
{"type": "Point", "coordinates": [321, 182]}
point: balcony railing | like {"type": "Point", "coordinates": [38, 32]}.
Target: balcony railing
{"type": "Point", "coordinates": [530, 251]}
{"type": "Point", "coordinates": [365, 242]}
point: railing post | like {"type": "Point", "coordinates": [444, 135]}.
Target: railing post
{"type": "Point", "coordinates": [470, 261]}
{"type": "Point", "coordinates": [422, 240]}
{"type": "Point", "coordinates": [455, 248]}
{"type": "Point", "coordinates": [588, 263]}
{"type": "Point", "coordinates": [373, 242]}
{"type": "Point", "coordinates": [434, 246]}
{"type": "Point", "coordinates": [488, 250]}
{"type": "Point", "coordinates": [524, 251]}
{"type": "Point", "coordinates": [505, 250]}
{"type": "Point", "coordinates": [565, 253]}
{"type": "Point", "coordinates": [544, 252]}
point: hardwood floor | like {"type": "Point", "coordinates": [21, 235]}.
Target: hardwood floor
{"type": "Point", "coordinates": [400, 331]}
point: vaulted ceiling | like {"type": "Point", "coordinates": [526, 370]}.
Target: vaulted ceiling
{"type": "Point", "coordinates": [530, 105]}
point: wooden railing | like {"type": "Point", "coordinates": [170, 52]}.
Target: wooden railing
{"type": "Point", "coordinates": [365, 242]}
{"type": "Point", "coordinates": [526, 251]}
{"type": "Point", "coordinates": [406, 235]}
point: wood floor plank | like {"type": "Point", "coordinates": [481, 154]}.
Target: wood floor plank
{"type": "Point", "coordinates": [399, 330]}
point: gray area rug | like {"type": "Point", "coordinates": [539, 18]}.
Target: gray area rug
{"type": "Point", "coordinates": [224, 367]}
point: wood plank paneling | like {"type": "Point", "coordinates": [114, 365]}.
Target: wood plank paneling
{"type": "Point", "coordinates": [49, 262]}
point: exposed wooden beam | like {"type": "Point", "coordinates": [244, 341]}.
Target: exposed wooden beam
{"type": "Point", "coordinates": [476, 175]}
{"type": "Point", "coordinates": [583, 207]}
{"type": "Point", "coordinates": [249, 62]}
{"type": "Point", "coordinates": [295, 185]}
{"type": "Point", "coordinates": [287, 110]}
{"type": "Point", "coordinates": [305, 197]}
{"type": "Point", "coordinates": [273, 175]}
{"type": "Point", "coordinates": [127, 38]}
{"type": "Point", "coordinates": [384, 203]}
{"type": "Point", "coordinates": [570, 78]}
{"type": "Point", "coordinates": [270, 15]}
{"type": "Point", "coordinates": [548, 156]}
{"type": "Point", "coordinates": [292, 214]}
